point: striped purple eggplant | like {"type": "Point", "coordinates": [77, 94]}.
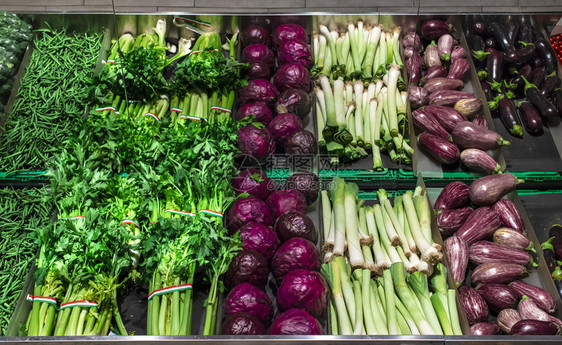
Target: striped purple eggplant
{"type": "Point", "coordinates": [498, 296]}
{"type": "Point", "coordinates": [513, 239]}
{"type": "Point", "coordinates": [431, 56]}
{"type": "Point", "coordinates": [480, 225]}
{"type": "Point", "coordinates": [450, 221]}
{"type": "Point", "coordinates": [458, 53]}
{"type": "Point", "coordinates": [471, 136]}
{"type": "Point", "coordinates": [440, 83]}
{"type": "Point", "coordinates": [412, 40]}
{"type": "Point", "coordinates": [413, 67]}
{"type": "Point", "coordinates": [456, 250]}
{"type": "Point", "coordinates": [454, 195]}
{"type": "Point", "coordinates": [433, 29]}
{"type": "Point", "coordinates": [542, 298]}
{"type": "Point", "coordinates": [417, 96]}
{"type": "Point", "coordinates": [535, 327]}
{"type": "Point", "coordinates": [486, 251]}
{"type": "Point", "coordinates": [469, 107]}
{"type": "Point", "coordinates": [507, 318]}
{"type": "Point", "coordinates": [443, 151]}
{"type": "Point", "coordinates": [480, 121]}
{"type": "Point", "coordinates": [459, 69]}
{"type": "Point", "coordinates": [446, 116]}
{"type": "Point", "coordinates": [448, 97]}
{"type": "Point", "coordinates": [479, 161]}
{"type": "Point", "coordinates": [487, 190]}
{"type": "Point", "coordinates": [497, 272]}
{"type": "Point", "coordinates": [528, 309]}
{"type": "Point", "coordinates": [508, 215]}
{"type": "Point", "coordinates": [445, 47]}
{"type": "Point", "coordinates": [434, 72]}
{"type": "Point", "coordinates": [485, 328]}
{"type": "Point", "coordinates": [425, 122]}
{"type": "Point", "coordinates": [473, 304]}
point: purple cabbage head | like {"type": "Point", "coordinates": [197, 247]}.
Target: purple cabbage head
{"type": "Point", "coordinates": [258, 53]}
{"type": "Point", "coordinates": [248, 266]}
{"type": "Point", "coordinates": [295, 322]}
{"type": "Point", "coordinates": [246, 210]}
{"type": "Point", "coordinates": [242, 324]}
{"type": "Point", "coordinates": [259, 90]}
{"type": "Point", "coordinates": [283, 125]}
{"type": "Point", "coordinates": [300, 143]}
{"type": "Point", "coordinates": [295, 224]}
{"type": "Point", "coordinates": [285, 200]}
{"type": "Point", "coordinates": [295, 51]}
{"type": "Point", "coordinates": [295, 253]}
{"type": "Point", "coordinates": [261, 238]}
{"type": "Point", "coordinates": [292, 76]}
{"type": "Point", "coordinates": [249, 299]}
{"type": "Point", "coordinates": [295, 101]}
{"type": "Point", "coordinates": [258, 70]}
{"type": "Point", "coordinates": [254, 182]}
{"type": "Point", "coordinates": [307, 183]}
{"type": "Point", "coordinates": [256, 34]}
{"type": "Point", "coordinates": [258, 109]}
{"type": "Point", "coordinates": [303, 289]}
{"type": "Point", "coordinates": [287, 32]}
{"type": "Point", "coordinates": [255, 142]}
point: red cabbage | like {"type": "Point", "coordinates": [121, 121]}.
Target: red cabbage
{"type": "Point", "coordinates": [256, 34]}
{"type": "Point", "coordinates": [258, 53]}
{"type": "Point", "coordinates": [259, 90]}
{"type": "Point", "coordinates": [283, 125]}
{"type": "Point", "coordinates": [254, 182]}
{"type": "Point", "coordinates": [242, 324]}
{"type": "Point", "coordinates": [295, 224]}
{"type": "Point", "coordinates": [249, 299]}
{"type": "Point", "coordinates": [295, 51]}
{"type": "Point", "coordinates": [300, 143]}
{"type": "Point", "coordinates": [257, 109]}
{"type": "Point", "coordinates": [286, 32]}
{"type": "Point", "coordinates": [248, 266]}
{"type": "Point", "coordinates": [303, 289]}
{"type": "Point", "coordinates": [261, 238]}
{"type": "Point", "coordinates": [295, 101]}
{"type": "Point", "coordinates": [285, 200]}
{"type": "Point", "coordinates": [293, 254]}
{"type": "Point", "coordinates": [295, 322]}
{"type": "Point", "coordinates": [258, 70]}
{"type": "Point", "coordinates": [246, 210]}
{"type": "Point", "coordinates": [255, 142]}
{"type": "Point", "coordinates": [292, 76]}
{"type": "Point", "coordinates": [307, 183]}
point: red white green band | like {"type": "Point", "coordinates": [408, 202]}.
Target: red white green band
{"type": "Point", "coordinates": [211, 213]}
{"type": "Point", "coordinates": [78, 217]}
{"type": "Point", "coordinates": [129, 221]}
{"type": "Point", "coordinates": [177, 110]}
{"type": "Point", "coordinates": [195, 21]}
{"type": "Point", "coordinates": [106, 108]}
{"type": "Point", "coordinates": [181, 213]}
{"type": "Point", "coordinates": [153, 116]}
{"type": "Point", "coordinates": [169, 289]}
{"type": "Point", "coordinates": [86, 304]}
{"type": "Point", "coordinates": [108, 61]}
{"type": "Point", "coordinates": [192, 118]}
{"type": "Point", "coordinates": [200, 51]}
{"type": "Point", "coordinates": [42, 299]}
{"type": "Point", "coordinates": [226, 110]}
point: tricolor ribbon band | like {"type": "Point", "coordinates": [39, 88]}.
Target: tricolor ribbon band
{"type": "Point", "coordinates": [226, 110]}
{"type": "Point", "coordinates": [108, 61]}
{"type": "Point", "coordinates": [200, 51]}
{"type": "Point", "coordinates": [181, 213]}
{"type": "Point", "coordinates": [129, 221]}
{"type": "Point", "coordinates": [78, 217]}
{"type": "Point", "coordinates": [169, 289]}
{"type": "Point", "coordinates": [108, 108]}
{"type": "Point", "coordinates": [177, 110]}
{"type": "Point", "coordinates": [153, 116]}
{"type": "Point", "coordinates": [192, 118]}
{"type": "Point", "coordinates": [87, 304]}
{"type": "Point", "coordinates": [211, 213]}
{"type": "Point", "coordinates": [49, 300]}
{"type": "Point", "coordinates": [195, 21]}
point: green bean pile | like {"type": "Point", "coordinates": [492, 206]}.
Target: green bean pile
{"type": "Point", "coordinates": [51, 99]}
{"type": "Point", "coordinates": [22, 211]}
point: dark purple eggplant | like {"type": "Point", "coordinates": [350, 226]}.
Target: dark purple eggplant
{"type": "Point", "coordinates": [470, 136]}
{"type": "Point", "coordinates": [437, 84]}
{"type": "Point", "coordinates": [551, 83]}
{"type": "Point", "coordinates": [417, 96]}
{"type": "Point", "coordinates": [431, 56]}
{"type": "Point", "coordinates": [442, 150]}
{"type": "Point", "coordinates": [480, 121]}
{"type": "Point", "coordinates": [557, 100]}
{"type": "Point", "coordinates": [512, 31]}
{"type": "Point", "coordinates": [468, 106]}
{"type": "Point", "coordinates": [535, 327]}
{"type": "Point", "coordinates": [457, 254]}
{"type": "Point", "coordinates": [480, 225]}
{"type": "Point", "coordinates": [487, 90]}
{"type": "Point", "coordinates": [434, 72]}
{"type": "Point", "coordinates": [544, 106]}
{"type": "Point", "coordinates": [485, 328]}
{"type": "Point", "coordinates": [445, 47]}
{"type": "Point", "coordinates": [414, 68]}
{"type": "Point", "coordinates": [497, 272]}
{"type": "Point", "coordinates": [555, 232]}
{"type": "Point", "coordinates": [426, 122]}
{"type": "Point", "coordinates": [542, 298]}
{"type": "Point", "coordinates": [446, 116]}
{"type": "Point", "coordinates": [537, 62]}
{"type": "Point", "coordinates": [526, 71]}
{"type": "Point", "coordinates": [479, 28]}
{"type": "Point", "coordinates": [448, 97]}
{"type": "Point", "coordinates": [513, 239]}
{"type": "Point", "coordinates": [476, 43]}
{"type": "Point", "coordinates": [487, 190]}
{"type": "Point", "coordinates": [486, 251]}
{"type": "Point", "coordinates": [433, 29]}
{"type": "Point", "coordinates": [479, 161]}
{"type": "Point", "coordinates": [509, 117]}
{"type": "Point", "coordinates": [499, 33]}
{"type": "Point", "coordinates": [490, 42]}
{"type": "Point", "coordinates": [549, 255]}
{"type": "Point", "coordinates": [526, 34]}
{"type": "Point", "coordinates": [473, 304]}
{"type": "Point", "coordinates": [538, 76]}
{"type": "Point", "coordinates": [507, 318]}
{"type": "Point", "coordinates": [531, 118]}
{"type": "Point", "coordinates": [546, 53]}
{"type": "Point", "coordinates": [459, 69]}
{"type": "Point", "coordinates": [528, 309]}
{"type": "Point", "coordinates": [454, 195]}
{"type": "Point", "coordinates": [412, 40]}
{"type": "Point", "coordinates": [509, 215]}
{"type": "Point", "coordinates": [494, 63]}
{"type": "Point", "coordinates": [520, 55]}
{"type": "Point", "coordinates": [450, 221]}
{"type": "Point", "coordinates": [458, 53]}
{"type": "Point", "coordinates": [499, 296]}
